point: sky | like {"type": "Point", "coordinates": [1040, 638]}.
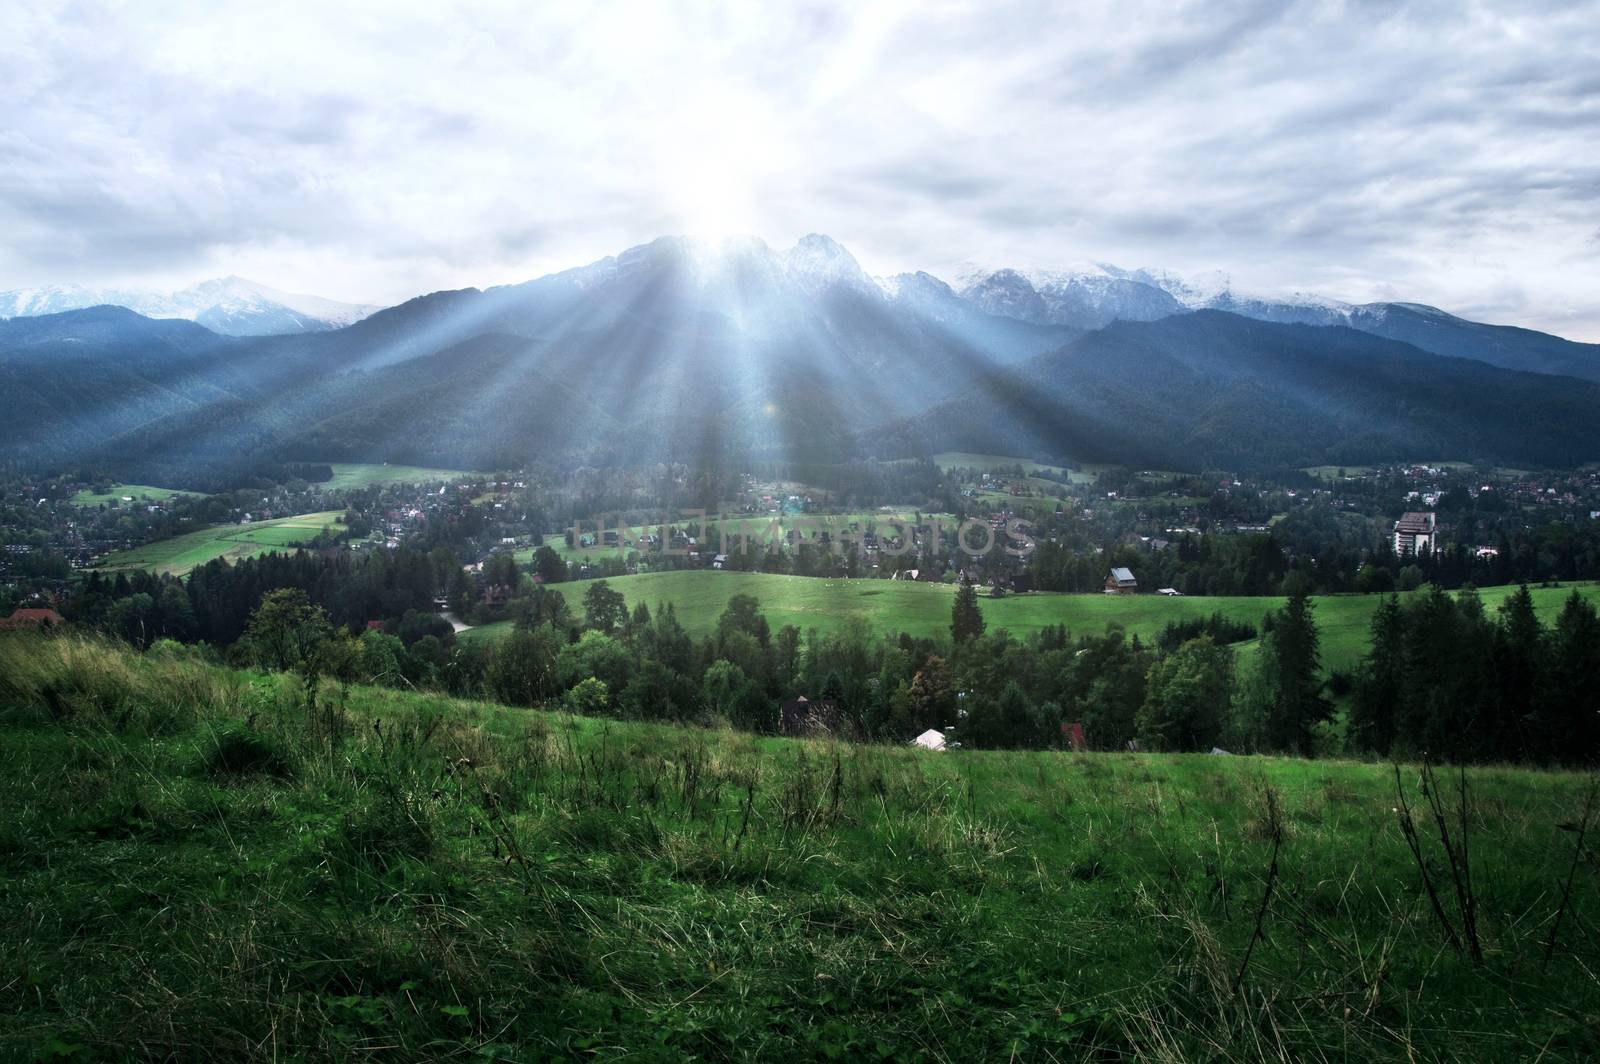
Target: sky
{"type": "Point", "coordinates": [1441, 153]}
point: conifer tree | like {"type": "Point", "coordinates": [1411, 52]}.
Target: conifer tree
{"type": "Point", "coordinates": [966, 619]}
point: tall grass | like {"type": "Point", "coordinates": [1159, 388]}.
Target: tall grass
{"type": "Point", "coordinates": [204, 864]}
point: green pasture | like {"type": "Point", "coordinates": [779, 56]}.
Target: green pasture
{"type": "Point", "coordinates": [181, 554]}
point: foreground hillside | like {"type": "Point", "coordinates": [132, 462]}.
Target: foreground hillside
{"type": "Point", "coordinates": [204, 864]}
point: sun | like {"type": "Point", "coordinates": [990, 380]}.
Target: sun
{"type": "Point", "coordinates": [715, 166]}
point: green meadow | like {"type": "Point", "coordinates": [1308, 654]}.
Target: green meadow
{"type": "Point", "coordinates": [948, 460]}
{"type": "Point", "coordinates": [352, 475]}
{"type": "Point", "coordinates": [202, 864]}
{"type": "Point", "coordinates": [923, 609]}
{"type": "Point", "coordinates": [759, 529]}
{"type": "Point", "coordinates": [137, 492]}
{"type": "Point", "coordinates": [181, 554]}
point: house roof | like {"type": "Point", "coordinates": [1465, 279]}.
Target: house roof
{"type": "Point", "coordinates": [32, 615]}
{"type": "Point", "coordinates": [1122, 575]}
{"type": "Point", "coordinates": [1415, 522]}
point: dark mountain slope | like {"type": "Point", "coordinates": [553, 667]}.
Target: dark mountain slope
{"type": "Point", "coordinates": [1216, 389]}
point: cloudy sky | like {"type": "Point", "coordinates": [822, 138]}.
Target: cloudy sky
{"type": "Point", "coordinates": [1443, 153]}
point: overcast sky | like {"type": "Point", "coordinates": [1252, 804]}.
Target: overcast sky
{"type": "Point", "coordinates": [1442, 153]}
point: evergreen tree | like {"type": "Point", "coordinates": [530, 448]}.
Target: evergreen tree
{"type": "Point", "coordinates": [1567, 726]}
{"type": "Point", "coordinates": [1293, 655]}
{"type": "Point", "coordinates": [966, 619]}
{"type": "Point", "coordinates": [1380, 685]}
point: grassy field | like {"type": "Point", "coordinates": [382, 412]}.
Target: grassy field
{"type": "Point", "coordinates": [348, 475]}
{"type": "Point", "coordinates": [699, 597]}
{"type": "Point", "coordinates": [199, 864]}
{"type": "Point", "coordinates": [757, 527]}
{"type": "Point", "coordinates": [137, 492]}
{"type": "Point", "coordinates": [181, 554]}
{"type": "Point", "coordinates": [948, 460]}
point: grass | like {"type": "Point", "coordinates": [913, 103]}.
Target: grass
{"type": "Point", "coordinates": [138, 492]}
{"type": "Point", "coordinates": [756, 527]}
{"type": "Point", "coordinates": [202, 864]}
{"type": "Point", "coordinates": [352, 475]}
{"type": "Point", "coordinates": [182, 554]}
{"type": "Point", "coordinates": [923, 609]}
{"type": "Point", "coordinates": [948, 460]}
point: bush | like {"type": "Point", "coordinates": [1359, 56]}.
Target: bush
{"type": "Point", "coordinates": [240, 753]}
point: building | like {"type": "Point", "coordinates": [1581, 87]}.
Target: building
{"type": "Point", "coordinates": [1415, 532]}
{"type": "Point", "coordinates": [33, 618]}
{"type": "Point", "coordinates": [801, 716]}
{"type": "Point", "coordinates": [932, 739]}
{"type": "Point", "coordinates": [1120, 581]}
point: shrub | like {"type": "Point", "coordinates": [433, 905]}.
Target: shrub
{"type": "Point", "coordinates": [237, 752]}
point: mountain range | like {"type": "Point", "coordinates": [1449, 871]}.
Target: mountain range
{"type": "Point", "coordinates": [723, 351]}
{"type": "Point", "coordinates": [231, 306]}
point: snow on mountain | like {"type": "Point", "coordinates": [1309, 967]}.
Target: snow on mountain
{"type": "Point", "coordinates": [1095, 294]}
{"type": "Point", "coordinates": [232, 306]}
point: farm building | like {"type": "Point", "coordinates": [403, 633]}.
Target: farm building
{"type": "Point", "coordinates": [932, 739]}
{"type": "Point", "coordinates": [1120, 581]}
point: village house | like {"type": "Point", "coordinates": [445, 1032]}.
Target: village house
{"type": "Point", "coordinates": [33, 618]}
{"type": "Point", "coordinates": [1120, 581]}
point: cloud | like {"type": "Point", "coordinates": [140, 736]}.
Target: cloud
{"type": "Point", "coordinates": [1438, 152]}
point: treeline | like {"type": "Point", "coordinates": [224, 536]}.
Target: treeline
{"type": "Point", "coordinates": [216, 601]}
{"type": "Point", "coordinates": [1251, 564]}
{"type": "Point", "coordinates": [1446, 678]}
{"type": "Point", "coordinates": [1443, 676]}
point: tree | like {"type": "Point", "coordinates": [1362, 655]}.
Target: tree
{"type": "Point", "coordinates": [966, 619]}
{"type": "Point", "coordinates": [1380, 684]}
{"type": "Point", "coordinates": [589, 698]}
{"type": "Point", "coordinates": [1568, 726]}
{"type": "Point", "coordinates": [604, 609]}
{"type": "Point", "coordinates": [523, 669]}
{"type": "Point", "coordinates": [595, 655]}
{"type": "Point", "coordinates": [1186, 695]}
{"type": "Point", "coordinates": [719, 686]}
{"type": "Point", "coordinates": [1003, 723]}
{"type": "Point", "coordinates": [1517, 658]}
{"type": "Point", "coordinates": [743, 614]}
{"type": "Point", "coordinates": [1295, 663]}
{"type": "Point", "coordinates": [932, 697]}
{"type": "Point", "coordinates": [655, 692]}
{"type": "Point", "coordinates": [177, 616]}
{"type": "Point", "coordinates": [287, 632]}
{"type": "Point", "coordinates": [549, 566]}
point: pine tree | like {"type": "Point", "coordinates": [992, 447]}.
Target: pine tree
{"type": "Point", "coordinates": [1517, 656]}
{"type": "Point", "coordinates": [1297, 705]}
{"type": "Point", "coordinates": [1381, 683]}
{"type": "Point", "coordinates": [1567, 727]}
{"type": "Point", "coordinates": [966, 619]}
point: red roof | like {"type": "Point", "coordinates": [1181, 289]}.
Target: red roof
{"type": "Point", "coordinates": [39, 616]}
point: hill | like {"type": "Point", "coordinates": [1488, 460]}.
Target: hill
{"type": "Point", "coordinates": [208, 864]}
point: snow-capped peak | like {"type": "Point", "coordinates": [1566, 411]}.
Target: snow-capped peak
{"type": "Point", "coordinates": [230, 305]}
